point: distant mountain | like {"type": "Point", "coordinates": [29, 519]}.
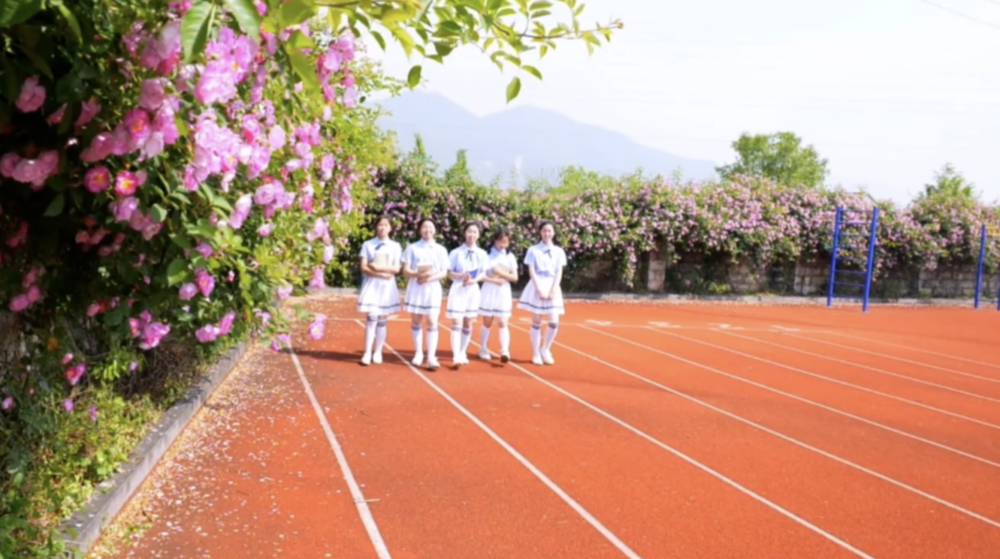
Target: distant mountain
{"type": "Point", "coordinates": [536, 141]}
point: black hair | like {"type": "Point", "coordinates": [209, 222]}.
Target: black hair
{"type": "Point", "coordinates": [471, 223]}
{"type": "Point", "coordinates": [542, 224]}
{"type": "Point", "coordinates": [386, 217]}
{"type": "Point", "coordinates": [499, 233]}
{"type": "Point", "coordinates": [420, 224]}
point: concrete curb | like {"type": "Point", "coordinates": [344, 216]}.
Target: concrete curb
{"type": "Point", "coordinates": [759, 299]}
{"type": "Point", "coordinates": [83, 529]}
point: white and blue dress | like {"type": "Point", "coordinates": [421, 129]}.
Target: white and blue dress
{"type": "Point", "coordinates": [547, 261]}
{"type": "Point", "coordinates": [379, 296]}
{"type": "Point", "coordinates": [496, 299]}
{"type": "Point", "coordinates": [424, 298]}
{"type": "Point", "coordinates": [463, 300]}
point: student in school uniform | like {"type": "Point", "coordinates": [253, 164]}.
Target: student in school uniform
{"type": "Point", "coordinates": [379, 297]}
{"type": "Point", "coordinates": [496, 300]}
{"type": "Point", "coordinates": [425, 263]}
{"type": "Point", "coordinates": [467, 270]}
{"type": "Point", "coordinates": [543, 295]}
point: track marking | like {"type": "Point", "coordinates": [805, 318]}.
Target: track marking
{"type": "Point", "coordinates": [598, 322]}
{"type": "Point", "coordinates": [994, 365]}
{"type": "Point", "coordinates": [833, 380]}
{"type": "Point", "coordinates": [524, 461]}
{"type": "Point", "coordinates": [721, 477]}
{"type": "Point", "coordinates": [816, 404]}
{"type": "Point", "coordinates": [664, 325]}
{"type": "Point", "coordinates": [787, 438]}
{"type": "Point", "coordinates": [918, 363]}
{"type": "Point", "coordinates": [820, 355]}
{"type": "Point", "coordinates": [359, 499]}
{"type": "Point", "coordinates": [786, 329]}
{"type": "Point", "coordinates": [725, 326]}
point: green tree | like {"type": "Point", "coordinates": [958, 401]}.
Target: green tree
{"type": "Point", "coordinates": [949, 183]}
{"type": "Point", "coordinates": [459, 174]}
{"type": "Point", "coordinates": [779, 157]}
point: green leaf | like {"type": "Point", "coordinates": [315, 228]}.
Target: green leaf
{"type": "Point", "coordinates": [13, 12]}
{"type": "Point", "coordinates": [77, 197]}
{"type": "Point", "coordinates": [195, 27]}
{"type": "Point", "coordinates": [300, 41]}
{"type": "Point", "coordinates": [56, 207]}
{"type": "Point", "coordinates": [158, 213]}
{"type": "Point", "coordinates": [246, 14]}
{"type": "Point", "coordinates": [114, 316]}
{"type": "Point", "coordinates": [413, 78]}
{"type": "Point", "coordinates": [38, 61]}
{"type": "Point", "coordinates": [71, 21]}
{"type": "Point", "coordinates": [176, 272]}
{"type": "Point", "coordinates": [182, 127]}
{"type": "Point", "coordinates": [182, 241]}
{"type": "Point", "coordinates": [378, 39]}
{"type": "Point", "coordinates": [513, 88]}
{"type": "Point", "coordinates": [393, 16]}
{"type": "Point", "coordinates": [295, 12]}
{"type": "Point", "coordinates": [539, 5]}
{"type": "Point", "coordinates": [532, 70]}
{"type": "Point", "coordinates": [303, 67]}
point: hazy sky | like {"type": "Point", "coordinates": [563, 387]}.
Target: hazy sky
{"type": "Point", "coordinates": [887, 90]}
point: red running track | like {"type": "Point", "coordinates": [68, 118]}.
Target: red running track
{"type": "Point", "coordinates": [724, 433]}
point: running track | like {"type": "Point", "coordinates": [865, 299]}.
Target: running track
{"type": "Point", "coordinates": [701, 431]}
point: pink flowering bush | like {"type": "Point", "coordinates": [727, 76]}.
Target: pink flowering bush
{"type": "Point", "coordinates": [155, 194]}
{"type": "Point", "coordinates": [622, 220]}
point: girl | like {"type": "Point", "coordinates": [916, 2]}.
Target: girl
{"type": "Point", "coordinates": [379, 297]}
{"type": "Point", "coordinates": [468, 268]}
{"type": "Point", "coordinates": [543, 295]}
{"type": "Point", "coordinates": [425, 263]}
{"type": "Point", "coordinates": [496, 300]}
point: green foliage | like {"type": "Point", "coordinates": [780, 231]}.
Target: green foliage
{"type": "Point", "coordinates": [779, 157]}
{"type": "Point", "coordinates": [949, 184]}
{"type": "Point", "coordinates": [699, 226]}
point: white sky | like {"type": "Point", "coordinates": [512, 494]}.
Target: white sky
{"type": "Point", "coordinates": [887, 90]}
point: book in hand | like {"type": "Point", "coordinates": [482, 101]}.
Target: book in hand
{"type": "Point", "coordinates": [425, 268]}
{"type": "Point", "coordinates": [503, 269]}
{"type": "Point", "coordinates": [381, 260]}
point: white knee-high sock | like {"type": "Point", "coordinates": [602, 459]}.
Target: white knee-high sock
{"type": "Point", "coordinates": [536, 333]}
{"type": "Point", "coordinates": [550, 335]}
{"type": "Point", "coordinates": [432, 342]}
{"type": "Point", "coordinates": [380, 332]}
{"type": "Point", "coordinates": [456, 341]}
{"type": "Point", "coordinates": [504, 340]}
{"type": "Point", "coordinates": [484, 337]}
{"type": "Point", "coordinates": [370, 332]}
{"type": "Point", "coordinates": [418, 338]}
{"type": "Point", "coordinates": [466, 336]}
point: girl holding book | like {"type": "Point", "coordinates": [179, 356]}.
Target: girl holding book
{"type": "Point", "coordinates": [425, 263]}
{"type": "Point", "coordinates": [496, 300]}
{"type": "Point", "coordinates": [379, 297]}
{"type": "Point", "coordinates": [467, 270]}
{"type": "Point", "coordinates": [543, 294]}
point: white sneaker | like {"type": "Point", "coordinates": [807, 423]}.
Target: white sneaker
{"type": "Point", "coordinates": [377, 358]}
{"type": "Point", "coordinates": [432, 363]}
{"type": "Point", "coordinates": [366, 359]}
{"type": "Point", "coordinates": [485, 355]}
{"type": "Point", "coordinates": [504, 357]}
{"type": "Point", "coordinates": [537, 360]}
{"type": "Point", "coordinates": [548, 359]}
{"type": "Point", "coordinates": [418, 359]}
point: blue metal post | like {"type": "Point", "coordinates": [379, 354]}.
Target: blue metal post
{"type": "Point", "coordinates": [833, 260]}
{"type": "Point", "coordinates": [979, 267]}
{"type": "Point", "coordinates": [871, 257]}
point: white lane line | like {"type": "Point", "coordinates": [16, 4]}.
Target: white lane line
{"type": "Point", "coordinates": [873, 340]}
{"type": "Point", "coordinates": [918, 363]}
{"type": "Point", "coordinates": [794, 441]}
{"type": "Point", "coordinates": [823, 406]}
{"type": "Point", "coordinates": [524, 461]}
{"type": "Point", "coordinates": [804, 372]}
{"type": "Point", "coordinates": [721, 477]}
{"type": "Point", "coordinates": [359, 499]}
{"type": "Point", "coordinates": [860, 366]}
